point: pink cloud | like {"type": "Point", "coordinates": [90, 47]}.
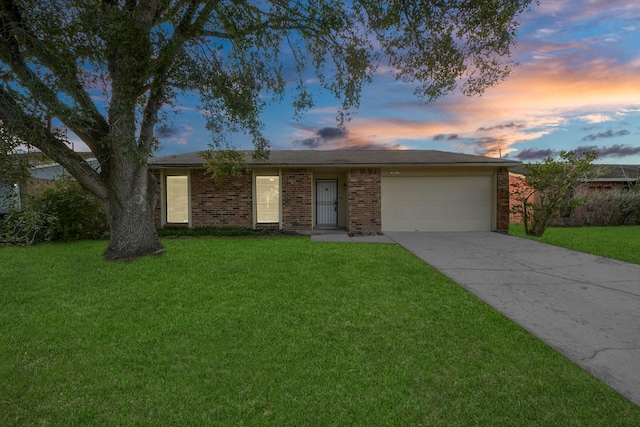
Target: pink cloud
{"type": "Point", "coordinates": [564, 80]}
{"type": "Point", "coordinates": [537, 100]}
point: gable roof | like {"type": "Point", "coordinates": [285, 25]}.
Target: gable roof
{"type": "Point", "coordinates": [346, 158]}
{"type": "Point", "coordinates": [621, 173]}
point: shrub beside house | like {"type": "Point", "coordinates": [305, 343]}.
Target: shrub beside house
{"type": "Point", "coordinates": [612, 198]}
{"type": "Point", "coordinates": [47, 204]}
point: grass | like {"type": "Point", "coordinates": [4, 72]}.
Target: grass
{"type": "Point", "coordinates": [271, 332]}
{"type": "Point", "coordinates": [622, 243]}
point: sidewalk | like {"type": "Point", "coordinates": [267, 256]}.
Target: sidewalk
{"type": "Point", "coordinates": [344, 237]}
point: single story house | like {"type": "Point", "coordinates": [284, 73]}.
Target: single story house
{"type": "Point", "coordinates": [616, 177]}
{"type": "Point", "coordinates": [360, 191]}
{"type": "Point", "coordinates": [613, 177]}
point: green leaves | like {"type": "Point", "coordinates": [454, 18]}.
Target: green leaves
{"type": "Point", "coordinates": [224, 164]}
{"type": "Point", "coordinates": [437, 46]}
{"type": "Point", "coordinates": [108, 70]}
{"type": "Point", "coordinates": [549, 188]}
{"type": "Point", "coordinates": [237, 54]}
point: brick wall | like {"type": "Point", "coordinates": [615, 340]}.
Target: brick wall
{"type": "Point", "coordinates": [296, 198]}
{"type": "Point", "coordinates": [364, 208]}
{"type": "Point", "coordinates": [35, 186]}
{"type": "Point", "coordinates": [502, 199]}
{"type": "Point", "coordinates": [224, 204]}
{"type": "Point", "coordinates": [516, 183]}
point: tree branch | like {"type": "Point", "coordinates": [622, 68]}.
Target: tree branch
{"type": "Point", "coordinates": [163, 66]}
{"type": "Point", "coordinates": [66, 75]}
{"type": "Point", "coordinates": [31, 130]}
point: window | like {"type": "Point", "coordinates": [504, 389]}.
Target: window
{"type": "Point", "coordinates": [177, 199]}
{"type": "Point", "coordinates": [267, 199]}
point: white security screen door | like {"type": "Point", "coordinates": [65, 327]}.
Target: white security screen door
{"type": "Point", "coordinates": [327, 203]}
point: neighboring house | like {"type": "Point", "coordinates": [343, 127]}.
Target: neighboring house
{"type": "Point", "coordinates": [516, 184]}
{"type": "Point", "coordinates": [615, 177]}
{"type": "Point", "coordinates": [9, 198]}
{"type": "Point", "coordinates": [360, 191]}
{"type": "Point", "coordinates": [42, 174]}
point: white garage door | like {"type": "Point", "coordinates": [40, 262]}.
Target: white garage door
{"type": "Point", "coordinates": [437, 203]}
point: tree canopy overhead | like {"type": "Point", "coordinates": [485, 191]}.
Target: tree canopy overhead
{"type": "Point", "coordinates": [107, 71]}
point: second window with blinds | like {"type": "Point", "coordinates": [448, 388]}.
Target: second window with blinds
{"type": "Point", "coordinates": [177, 199]}
{"type": "Point", "coordinates": [267, 199]}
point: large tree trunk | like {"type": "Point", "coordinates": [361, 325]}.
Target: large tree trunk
{"type": "Point", "coordinates": [131, 189]}
{"type": "Point", "coordinates": [131, 203]}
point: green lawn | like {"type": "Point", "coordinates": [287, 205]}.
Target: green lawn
{"type": "Point", "coordinates": [271, 332]}
{"type": "Point", "coordinates": [621, 243]}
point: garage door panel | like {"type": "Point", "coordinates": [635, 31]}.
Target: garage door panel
{"type": "Point", "coordinates": [437, 203]}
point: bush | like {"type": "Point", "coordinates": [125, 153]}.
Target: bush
{"type": "Point", "coordinates": [64, 212]}
{"type": "Point", "coordinates": [609, 207]}
{"type": "Point", "coordinates": [546, 192]}
{"type": "Point", "coordinates": [215, 232]}
{"type": "Point", "coordinates": [26, 227]}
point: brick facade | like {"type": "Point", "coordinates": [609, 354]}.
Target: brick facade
{"type": "Point", "coordinates": [297, 199]}
{"type": "Point", "coordinates": [230, 204]}
{"type": "Point", "coordinates": [225, 204]}
{"type": "Point", "coordinates": [502, 200]}
{"type": "Point", "coordinates": [364, 202]}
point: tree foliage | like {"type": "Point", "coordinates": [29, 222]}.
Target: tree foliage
{"type": "Point", "coordinates": [225, 164]}
{"type": "Point", "coordinates": [15, 168]}
{"type": "Point", "coordinates": [109, 71]}
{"type": "Point", "coordinates": [549, 188]}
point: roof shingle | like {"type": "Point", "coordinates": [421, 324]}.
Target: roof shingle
{"type": "Point", "coordinates": [360, 158]}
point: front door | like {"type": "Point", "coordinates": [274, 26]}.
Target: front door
{"type": "Point", "coordinates": [327, 203]}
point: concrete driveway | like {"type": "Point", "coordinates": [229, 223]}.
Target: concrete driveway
{"type": "Point", "coordinates": [586, 307]}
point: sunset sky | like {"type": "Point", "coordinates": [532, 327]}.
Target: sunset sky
{"type": "Point", "coordinates": [577, 85]}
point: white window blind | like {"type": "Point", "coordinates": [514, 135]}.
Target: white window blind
{"type": "Point", "coordinates": [177, 199]}
{"type": "Point", "coordinates": [267, 199]}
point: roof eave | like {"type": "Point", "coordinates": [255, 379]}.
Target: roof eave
{"type": "Point", "coordinates": [176, 166]}
{"type": "Point", "coordinates": [333, 165]}
{"type": "Point", "coordinates": [384, 165]}
{"type": "Point", "coordinates": [621, 179]}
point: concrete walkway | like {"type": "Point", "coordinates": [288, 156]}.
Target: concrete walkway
{"type": "Point", "coordinates": [586, 307]}
{"type": "Point", "coordinates": [344, 237]}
